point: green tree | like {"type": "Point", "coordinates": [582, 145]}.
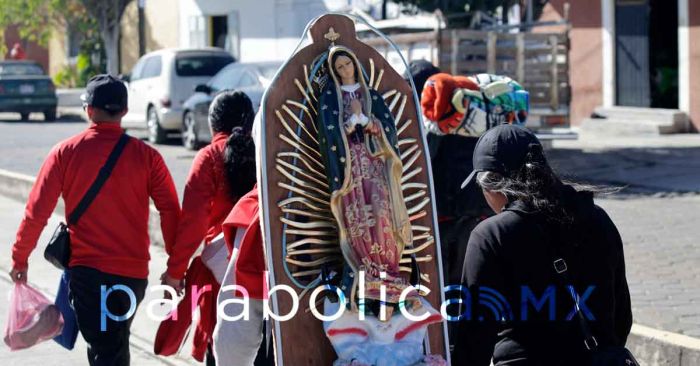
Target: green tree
{"type": "Point", "coordinates": [36, 19]}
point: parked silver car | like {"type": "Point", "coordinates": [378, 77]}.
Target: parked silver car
{"type": "Point", "coordinates": [251, 78]}
{"type": "Point", "coordinates": [161, 81]}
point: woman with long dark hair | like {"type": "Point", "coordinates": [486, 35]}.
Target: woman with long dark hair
{"type": "Point", "coordinates": [221, 173]}
{"type": "Point", "coordinates": [546, 235]}
{"type": "Point", "coordinates": [240, 336]}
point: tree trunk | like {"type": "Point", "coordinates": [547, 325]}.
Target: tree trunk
{"type": "Point", "coordinates": [108, 14]}
{"type": "Point", "coordinates": [110, 37]}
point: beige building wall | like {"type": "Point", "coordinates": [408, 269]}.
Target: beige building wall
{"type": "Point", "coordinates": [58, 57]}
{"type": "Point", "coordinates": [162, 30]}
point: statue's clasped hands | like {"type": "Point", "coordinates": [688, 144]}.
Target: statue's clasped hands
{"type": "Point", "coordinates": [359, 118]}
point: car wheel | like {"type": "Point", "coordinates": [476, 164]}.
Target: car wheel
{"type": "Point", "coordinates": [50, 115]}
{"type": "Point", "coordinates": [190, 140]}
{"type": "Point", "coordinates": [24, 116]}
{"type": "Point", "coordinates": [156, 133]}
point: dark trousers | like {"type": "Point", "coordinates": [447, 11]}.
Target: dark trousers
{"type": "Point", "coordinates": [108, 347]}
{"type": "Point", "coordinates": [266, 356]}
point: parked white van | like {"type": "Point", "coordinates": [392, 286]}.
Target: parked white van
{"type": "Point", "coordinates": [161, 81]}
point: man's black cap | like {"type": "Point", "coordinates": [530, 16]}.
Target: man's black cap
{"type": "Point", "coordinates": [106, 92]}
{"type": "Point", "coordinates": [502, 149]}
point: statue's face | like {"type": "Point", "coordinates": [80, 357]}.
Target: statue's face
{"type": "Point", "coordinates": [344, 67]}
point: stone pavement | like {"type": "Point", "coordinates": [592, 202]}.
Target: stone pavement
{"type": "Point", "coordinates": [662, 251]}
{"type": "Point", "coordinates": [45, 277]}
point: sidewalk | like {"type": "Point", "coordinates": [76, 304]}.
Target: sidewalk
{"type": "Point", "coordinates": [45, 277]}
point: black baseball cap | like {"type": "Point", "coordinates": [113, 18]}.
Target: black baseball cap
{"type": "Point", "coordinates": [106, 92]}
{"type": "Point", "coordinates": [502, 149]}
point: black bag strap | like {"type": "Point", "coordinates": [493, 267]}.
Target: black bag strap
{"type": "Point", "coordinates": [562, 270]}
{"type": "Point", "coordinates": [102, 176]}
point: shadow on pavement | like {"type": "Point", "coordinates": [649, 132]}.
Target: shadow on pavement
{"type": "Point", "coordinates": [651, 171]}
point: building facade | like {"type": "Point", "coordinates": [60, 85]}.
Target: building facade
{"type": "Point", "coordinates": [161, 29]}
{"type": "Point", "coordinates": [640, 53]}
{"type": "Point", "coordinates": [252, 30]}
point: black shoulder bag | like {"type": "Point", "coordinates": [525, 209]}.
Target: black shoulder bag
{"type": "Point", "coordinates": [58, 250]}
{"type": "Point", "coordinates": [599, 356]}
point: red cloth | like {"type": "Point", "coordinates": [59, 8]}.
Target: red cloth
{"type": "Point", "coordinates": [172, 331]}
{"type": "Point", "coordinates": [250, 264]}
{"type": "Point", "coordinates": [17, 52]}
{"type": "Point", "coordinates": [112, 235]}
{"type": "Point", "coordinates": [436, 99]}
{"type": "Point", "coordinates": [205, 204]}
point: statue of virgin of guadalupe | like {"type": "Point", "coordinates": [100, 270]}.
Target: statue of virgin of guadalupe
{"type": "Point", "coordinates": [359, 145]}
{"type": "Point", "coordinates": [358, 142]}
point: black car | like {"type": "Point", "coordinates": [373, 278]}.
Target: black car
{"type": "Point", "coordinates": [25, 88]}
{"type": "Point", "coordinates": [250, 78]}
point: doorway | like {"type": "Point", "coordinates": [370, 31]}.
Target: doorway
{"type": "Point", "coordinates": [219, 31]}
{"type": "Point", "coordinates": [646, 49]}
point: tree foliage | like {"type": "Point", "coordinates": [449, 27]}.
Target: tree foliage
{"type": "Point", "coordinates": [97, 20]}
{"type": "Point", "coordinates": [37, 19]}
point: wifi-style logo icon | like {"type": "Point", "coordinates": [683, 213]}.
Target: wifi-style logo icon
{"type": "Point", "coordinates": [495, 303]}
{"type": "Point", "coordinates": [488, 303]}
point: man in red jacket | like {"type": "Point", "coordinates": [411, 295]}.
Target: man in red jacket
{"type": "Point", "coordinates": [109, 243]}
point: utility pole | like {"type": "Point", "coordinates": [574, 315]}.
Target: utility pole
{"type": "Point", "coordinates": [142, 27]}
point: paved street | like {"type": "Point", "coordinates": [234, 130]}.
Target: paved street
{"type": "Point", "coordinates": [25, 144]}
{"type": "Point", "coordinates": [657, 213]}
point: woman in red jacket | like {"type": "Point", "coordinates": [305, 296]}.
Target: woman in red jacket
{"type": "Point", "coordinates": [221, 173]}
{"type": "Point", "coordinates": [219, 176]}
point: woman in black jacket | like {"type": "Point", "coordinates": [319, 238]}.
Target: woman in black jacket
{"type": "Point", "coordinates": [546, 235]}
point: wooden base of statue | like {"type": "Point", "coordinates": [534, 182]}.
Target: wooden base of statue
{"type": "Point", "coordinates": [288, 141]}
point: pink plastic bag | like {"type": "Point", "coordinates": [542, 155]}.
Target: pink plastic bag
{"type": "Point", "coordinates": [31, 319]}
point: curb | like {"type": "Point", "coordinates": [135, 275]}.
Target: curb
{"type": "Point", "coordinates": [650, 346]}
{"type": "Point", "coordinates": [70, 97]}
{"type": "Point", "coordinates": [657, 347]}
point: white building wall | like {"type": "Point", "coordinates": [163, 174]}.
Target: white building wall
{"type": "Point", "coordinates": [267, 29]}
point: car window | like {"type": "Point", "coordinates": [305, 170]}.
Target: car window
{"type": "Point", "coordinates": [200, 65]}
{"type": "Point", "coordinates": [247, 80]}
{"type": "Point", "coordinates": [21, 69]}
{"type": "Point", "coordinates": [152, 68]}
{"type": "Point", "coordinates": [226, 79]}
{"type": "Point", "coordinates": [138, 69]}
